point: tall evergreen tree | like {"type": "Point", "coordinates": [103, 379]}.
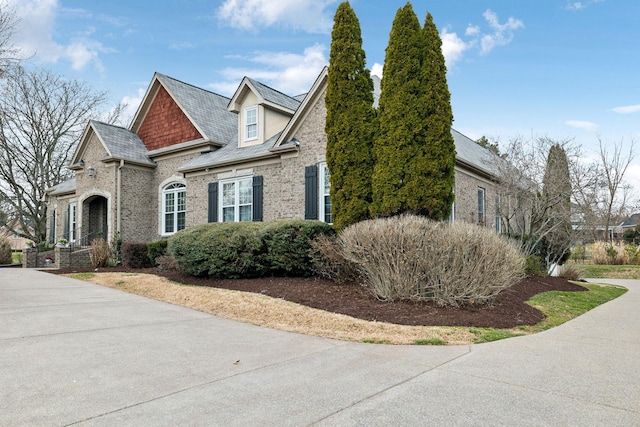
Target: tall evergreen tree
{"type": "Point", "coordinates": [399, 116]}
{"type": "Point", "coordinates": [350, 121]}
{"type": "Point", "coordinates": [556, 197]}
{"type": "Point", "coordinates": [432, 172]}
{"type": "Point", "coordinates": [414, 150]}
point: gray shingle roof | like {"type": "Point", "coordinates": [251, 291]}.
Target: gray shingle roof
{"type": "Point", "coordinates": [471, 153]}
{"type": "Point", "coordinates": [68, 186]}
{"type": "Point", "coordinates": [275, 97]}
{"type": "Point", "coordinates": [230, 153]}
{"type": "Point", "coordinates": [121, 143]}
{"type": "Point", "coordinates": [208, 110]}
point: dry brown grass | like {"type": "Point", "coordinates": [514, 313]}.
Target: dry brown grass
{"type": "Point", "coordinates": [275, 313]}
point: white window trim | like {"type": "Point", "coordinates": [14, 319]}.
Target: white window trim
{"type": "Point", "coordinates": [498, 219]}
{"type": "Point", "coordinates": [322, 167]}
{"type": "Point", "coordinates": [247, 124]}
{"type": "Point", "coordinates": [73, 221]}
{"type": "Point", "coordinates": [482, 208]}
{"type": "Point", "coordinates": [236, 198]}
{"type": "Point", "coordinates": [164, 192]}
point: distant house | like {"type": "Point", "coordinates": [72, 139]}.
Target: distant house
{"type": "Point", "coordinates": [191, 156]}
{"type": "Point", "coordinates": [17, 242]}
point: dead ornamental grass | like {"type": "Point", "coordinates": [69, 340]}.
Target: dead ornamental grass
{"type": "Point", "coordinates": [262, 310]}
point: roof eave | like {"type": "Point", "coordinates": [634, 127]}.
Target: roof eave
{"type": "Point", "coordinates": [227, 162]}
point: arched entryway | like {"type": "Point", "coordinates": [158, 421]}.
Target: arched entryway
{"type": "Point", "coordinates": [94, 219]}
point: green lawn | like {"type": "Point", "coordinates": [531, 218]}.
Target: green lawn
{"type": "Point", "coordinates": [16, 257]}
{"type": "Point", "coordinates": [559, 307]}
{"type": "Point", "coordinates": [610, 271]}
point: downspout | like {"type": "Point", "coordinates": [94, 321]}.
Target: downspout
{"type": "Point", "coordinates": [119, 203]}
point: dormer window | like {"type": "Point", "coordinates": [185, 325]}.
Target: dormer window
{"type": "Point", "coordinates": [250, 123]}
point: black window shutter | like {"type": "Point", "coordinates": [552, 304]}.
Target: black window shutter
{"type": "Point", "coordinates": [257, 198]}
{"type": "Point", "coordinates": [311, 192]}
{"type": "Point", "coordinates": [52, 228]}
{"type": "Point", "coordinates": [65, 233]}
{"type": "Point", "coordinates": [213, 202]}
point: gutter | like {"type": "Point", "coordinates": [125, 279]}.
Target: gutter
{"type": "Point", "coordinates": [118, 196]}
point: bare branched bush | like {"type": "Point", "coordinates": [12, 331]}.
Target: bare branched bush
{"type": "Point", "coordinates": [413, 258]}
{"type": "Point", "coordinates": [100, 253]}
{"type": "Point", "coordinates": [167, 263]}
{"type": "Point", "coordinates": [329, 262]}
{"type": "Point", "coordinates": [605, 253]}
{"type": "Point", "coordinates": [571, 272]}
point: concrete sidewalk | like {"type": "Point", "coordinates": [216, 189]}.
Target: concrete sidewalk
{"type": "Point", "coordinates": [73, 353]}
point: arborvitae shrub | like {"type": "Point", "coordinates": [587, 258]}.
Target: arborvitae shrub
{"type": "Point", "coordinates": [155, 249]}
{"type": "Point", "coordinates": [288, 245]}
{"type": "Point", "coordinates": [134, 255]}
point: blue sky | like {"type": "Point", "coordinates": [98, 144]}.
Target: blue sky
{"type": "Point", "coordinates": [563, 69]}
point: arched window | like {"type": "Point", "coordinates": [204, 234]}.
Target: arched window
{"type": "Point", "coordinates": [174, 207]}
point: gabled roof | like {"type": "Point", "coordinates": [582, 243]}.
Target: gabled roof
{"type": "Point", "coordinates": [266, 96]}
{"type": "Point", "coordinates": [631, 221]}
{"type": "Point", "coordinates": [319, 86]}
{"type": "Point", "coordinates": [121, 143]}
{"type": "Point", "coordinates": [473, 155]}
{"type": "Point", "coordinates": [118, 142]}
{"type": "Point", "coordinates": [206, 110]}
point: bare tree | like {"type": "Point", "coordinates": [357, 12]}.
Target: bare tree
{"type": "Point", "coordinates": [9, 54]}
{"type": "Point", "coordinates": [614, 165]}
{"type": "Point", "coordinates": [42, 116]}
{"type": "Point", "coordinates": [533, 210]}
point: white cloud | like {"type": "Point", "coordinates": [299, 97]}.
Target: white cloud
{"type": "Point", "coordinates": [627, 109]}
{"type": "Point", "coordinates": [502, 33]}
{"type": "Point", "coordinates": [132, 103]}
{"type": "Point", "coordinates": [581, 124]}
{"type": "Point", "coordinates": [377, 69]}
{"type": "Point", "coordinates": [34, 35]}
{"type": "Point", "coordinates": [580, 5]}
{"type": "Point", "coordinates": [303, 15]}
{"type": "Point", "coordinates": [290, 73]}
{"type": "Point", "coordinates": [452, 47]}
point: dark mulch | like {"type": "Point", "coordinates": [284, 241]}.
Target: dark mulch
{"type": "Point", "coordinates": [507, 311]}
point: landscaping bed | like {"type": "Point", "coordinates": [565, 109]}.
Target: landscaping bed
{"type": "Point", "coordinates": [507, 311]}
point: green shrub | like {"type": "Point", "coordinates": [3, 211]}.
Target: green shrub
{"type": "Point", "coordinates": [413, 258]}
{"type": "Point", "coordinates": [156, 249]}
{"type": "Point", "coordinates": [5, 251]}
{"type": "Point", "coordinates": [534, 265]}
{"type": "Point", "coordinates": [578, 253]}
{"type": "Point", "coordinates": [288, 245]}
{"type": "Point", "coordinates": [134, 255]}
{"type": "Point", "coordinates": [220, 250]}
{"type": "Point", "coordinates": [247, 249]}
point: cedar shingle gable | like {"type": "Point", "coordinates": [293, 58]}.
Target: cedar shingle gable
{"type": "Point", "coordinates": [165, 124]}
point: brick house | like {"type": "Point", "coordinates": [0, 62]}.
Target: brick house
{"type": "Point", "coordinates": [191, 156]}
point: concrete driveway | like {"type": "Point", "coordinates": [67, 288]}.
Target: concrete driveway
{"type": "Point", "coordinates": [73, 353]}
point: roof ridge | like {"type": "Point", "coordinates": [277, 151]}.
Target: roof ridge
{"type": "Point", "coordinates": [110, 124]}
{"type": "Point", "coordinates": [192, 85]}
{"type": "Point", "coordinates": [269, 87]}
